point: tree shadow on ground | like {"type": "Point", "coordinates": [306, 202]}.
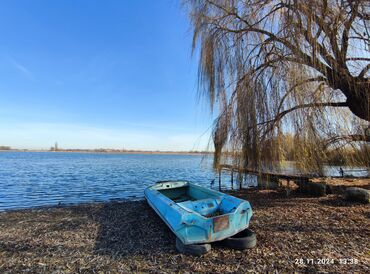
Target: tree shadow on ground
{"type": "Point", "coordinates": [337, 201]}
{"type": "Point", "coordinates": [131, 228]}
{"type": "Point", "coordinates": [271, 198]}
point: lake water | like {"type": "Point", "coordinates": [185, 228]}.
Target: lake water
{"type": "Point", "coordinates": [30, 179]}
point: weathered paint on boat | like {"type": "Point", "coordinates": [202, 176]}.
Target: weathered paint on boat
{"type": "Point", "coordinates": [197, 214]}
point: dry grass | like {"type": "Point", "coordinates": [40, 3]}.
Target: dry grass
{"type": "Point", "coordinates": [129, 237]}
{"type": "Point", "coordinates": [345, 182]}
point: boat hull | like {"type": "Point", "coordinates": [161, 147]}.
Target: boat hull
{"type": "Point", "coordinates": [196, 214]}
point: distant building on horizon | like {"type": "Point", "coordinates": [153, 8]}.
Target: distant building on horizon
{"type": "Point", "coordinates": [55, 147]}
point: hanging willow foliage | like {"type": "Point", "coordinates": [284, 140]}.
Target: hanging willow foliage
{"type": "Point", "coordinates": [285, 68]}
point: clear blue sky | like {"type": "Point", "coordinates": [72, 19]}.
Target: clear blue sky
{"type": "Point", "coordinates": [94, 73]}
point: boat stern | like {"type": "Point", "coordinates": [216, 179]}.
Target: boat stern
{"type": "Point", "coordinates": [232, 217]}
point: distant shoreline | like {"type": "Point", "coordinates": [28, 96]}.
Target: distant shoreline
{"type": "Point", "coordinates": [103, 151]}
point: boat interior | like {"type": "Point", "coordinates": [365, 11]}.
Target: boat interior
{"type": "Point", "coordinates": [198, 201]}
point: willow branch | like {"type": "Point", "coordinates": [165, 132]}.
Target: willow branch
{"type": "Point", "coordinates": [347, 138]}
{"type": "Point", "coordinates": [364, 71]}
{"type": "Point", "coordinates": [281, 115]}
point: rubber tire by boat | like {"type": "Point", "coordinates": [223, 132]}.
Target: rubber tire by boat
{"type": "Point", "coordinates": [243, 240]}
{"type": "Point", "coordinates": [196, 249]}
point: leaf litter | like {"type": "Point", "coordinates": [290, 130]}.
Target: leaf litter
{"type": "Point", "coordinates": [129, 237]}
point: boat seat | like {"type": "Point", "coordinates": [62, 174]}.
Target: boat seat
{"type": "Point", "coordinates": [181, 198]}
{"type": "Point", "coordinates": [204, 207]}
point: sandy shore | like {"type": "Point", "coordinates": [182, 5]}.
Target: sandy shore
{"type": "Point", "coordinates": [129, 237]}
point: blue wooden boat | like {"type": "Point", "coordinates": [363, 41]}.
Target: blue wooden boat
{"type": "Point", "coordinates": [196, 214]}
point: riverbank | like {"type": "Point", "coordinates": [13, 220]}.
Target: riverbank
{"type": "Point", "coordinates": [130, 237]}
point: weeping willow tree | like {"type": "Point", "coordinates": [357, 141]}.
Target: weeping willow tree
{"type": "Point", "coordinates": [273, 68]}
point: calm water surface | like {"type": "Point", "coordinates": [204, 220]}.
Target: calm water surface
{"type": "Point", "coordinates": [30, 179]}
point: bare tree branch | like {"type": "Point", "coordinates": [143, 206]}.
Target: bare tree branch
{"type": "Point", "coordinates": [347, 138]}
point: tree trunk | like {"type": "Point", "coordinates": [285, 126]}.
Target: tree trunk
{"type": "Point", "coordinates": [357, 92]}
{"type": "Point", "coordinates": [359, 104]}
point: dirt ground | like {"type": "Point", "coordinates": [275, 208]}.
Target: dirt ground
{"type": "Point", "coordinates": [295, 233]}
